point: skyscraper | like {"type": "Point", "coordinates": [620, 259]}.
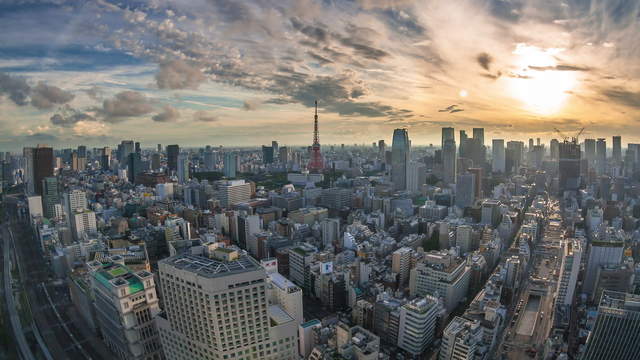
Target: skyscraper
{"type": "Point", "coordinates": [416, 176]}
{"type": "Point", "coordinates": [127, 147]}
{"type": "Point", "coordinates": [172, 157]}
{"type": "Point", "coordinates": [498, 161]}
{"type": "Point", "coordinates": [601, 156]}
{"type": "Point", "coordinates": [399, 158]}
{"type": "Point", "coordinates": [417, 325]}
{"type": "Point", "coordinates": [617, 150]}
{"type": "Point", "coordinates": [590, 151]}
{"type": "Point", "coordinates": [42, 166]}
{"type": "Point", "coordinates": [615, 334]}
{"type": "Point", "coordinates": [465, 190]}
{"type": "Point", "coordinates": [569, 166]}
{"type": "Point", "coordinates": [478, 134]}
{"type": "Point", "coordinates": [448, 133]}
{"type": "Point", "coordinates": [50, 196]}
{"type": "Point", "coordinates": [267, 154]}
{"type": "Point", "coordinates": [134, 166]}
{"type": "Point", "coordinates": [230, 164]}
{"type": "Point", "coordinates": [238, 321]}
{"type": "Point", "coordinates": [449, 161]}
{"type": "Point", "coordinates": [183, 168]}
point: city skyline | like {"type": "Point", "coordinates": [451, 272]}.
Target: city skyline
{"type": "Point", "coordinates": [224, 73]}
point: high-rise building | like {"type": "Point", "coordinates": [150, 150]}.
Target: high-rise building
{"type": "Point", "coordinates": [449, 161]}
{"type": "Point", "coordinates": [498, 160]}
{"type": "Point", "coordinates": [126, 307]}
{"type": "Point", "coordinates": [134, 166]}
{"type": "Point", "coordinates": [230, 164]}
{"type": "Point", "coordinates": [477, 186]}
{"type": "Point", "coordinates": [300, 257]}
{"type": "Point", "coordinates": [267, 154]}
{"type": "Point", "coordinates": [83, 222]}
{"type": "Point", "coordinates": [416, 176]}
{"type": "Point", "coordinates": [601, 252]}
{"type": "Point", "coordinates": [172, 157]}
{"type": "Point", "coordinates": [127, 147]}
{"type": "Point", "coordinates": [590, 151]}
{"type": "Point", "coordinates": [516, 152]}
{"type": "Point", "coordinates": [569, 166]}
{"type": "Point", "coordinates": [418, 320]}
{"type": "Point", "coordinates": [465, 190]}
{"type": "Point", "coordinates": [284, 155]}
{"type": "Point", "coordinates": [569, 270]}
{"type": "Point", "coordinates": [105, 158]}
{"type": "Point", "coordinates": [330, 231]}
{"type": "Point", "coordinates": [400, 149]}
{"type": "Point", "coordinates": [554, 149]}
{"type": "Point", "coordinates": [464, 238]}
{"type": "Point", "coordinates": [183, 168]}
{"type": "Point", "coordinates": [617, 150]}
{"type": "Point", "coordinates": [460, 339]}
{"type": "Point", "coordinates": [478, 134]}
{"type": "Point", "coordinates": [443, 275]}
{"type": "Point", "coordinates": [28, 177]}
{"type": "Point", "coordinates": [224, 292]}
{"type": "Point", "coordinates": [42, 166]}
{"type": "Point", "coordinates": [448, 133]}
{"type": "Point", "coordinates": [232, 192]}
{"type": "Point", "coordinates": [615, 334]}
{"type": "Point", "coordinates": [601, 156]}
{"type": "Point", "coordinates": [401, 264]}
{"type": "Point", "coordinates": [75, 200]}
{"type": "Point", "coordinates": [155, 161]}
{"type": "Point", "coordinates": [50, 196]}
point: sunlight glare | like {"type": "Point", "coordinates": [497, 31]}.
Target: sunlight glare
{"type": "Point", "coordinates": [543, 90]}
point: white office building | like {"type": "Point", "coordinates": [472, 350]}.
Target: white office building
{"type": "Point", "coordinates": [233, 192]}
{"type": "Point", "coordinates": [216, 307]}
{"type": "Point", "coordinates": [418, 320]}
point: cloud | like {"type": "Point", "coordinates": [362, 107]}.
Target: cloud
{"type": "Point", "coordinates": [15, 88]}
{"type": "Point", "coordinates": [125, 104]}
{"type": "Point", "coordinates": [178, 74]}
{"type": "Point", "coordinates": [451, 109]}
{"type": "Point", "coordinates": [168, 114]}
{"type": "Point", "coordinates": [45, 96]}
{"type": "Point", "coordinates": [204, 116]}
{"type": "Point", "coordinates": [484, 60]}
{"type": "Point", "coordinates": [94, 93]}
{"type": "Point", "coordinates": [251, 104]}
{"type": "Point", "coordinates": [560, 68]}
{"type": "Point", "coordinates": [622, 96]}
{"type": "Point", "coordinates": [67, 116]}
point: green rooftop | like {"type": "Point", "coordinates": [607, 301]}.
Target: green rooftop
{"type": "Point", "coordinates": [112, 271]}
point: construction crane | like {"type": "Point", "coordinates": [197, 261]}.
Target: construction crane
{"type": "Point", "coordinates": [565, 138]}
{"type": "Point", "coordinates": [562, 135]}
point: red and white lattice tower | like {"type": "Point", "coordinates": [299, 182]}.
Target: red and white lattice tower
{"type": "Point", "coordinates": [316, 164]}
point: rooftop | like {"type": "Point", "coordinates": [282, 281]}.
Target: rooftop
{"type": "Point", "coordinates": [113, 274]}
{"type": "Point", "coordinates": [211, 268]}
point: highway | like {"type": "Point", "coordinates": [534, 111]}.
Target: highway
{"type": "Point", "coordinates": [50, 302]}
{"type": "Point", "coordinates": [16, 325]}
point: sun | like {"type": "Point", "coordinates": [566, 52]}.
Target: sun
{"type": "Point", "coordinates": [537, 84]}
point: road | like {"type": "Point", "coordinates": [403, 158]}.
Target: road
{"type": "Point", "coordinates": [61, 336]}
{"type": "Point", "coordinates": [16, 325]}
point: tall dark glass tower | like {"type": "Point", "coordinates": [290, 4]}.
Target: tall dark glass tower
{"type": "Point", "coordinates": [569, 166]}
{"type": "Point", "coordinates": [399, 158]}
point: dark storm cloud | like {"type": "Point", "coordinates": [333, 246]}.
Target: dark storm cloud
{"type": "Point", "coordinates": [168, 114]}
{"type": "Point", "coordinates": [178, 74]}
{"type": "Point", "coordinates": [317, 33]}
{"type": "Point", "coordinates": [484, 60]}
{"type": "Point", "coordinates": [125, 104]}
{"type": "Point", "coordinates": [45, 96]}
{"type": "Point", "coordinates": [451, 109]}
{"type": "Point", "coordinates": [204, 116]}
{"type": "Point", "coordinates": [15, 88]}
{"type": "Point", "coordinates": [67, 117]}
{"type": "Point", "coordinates": [622, 96]}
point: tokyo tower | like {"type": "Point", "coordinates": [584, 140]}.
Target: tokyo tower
{"type": "Point", "coordinates": [316, 164]}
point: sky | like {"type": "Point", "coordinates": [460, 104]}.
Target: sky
{"type": "Point", "coordinates": [244, 73]}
